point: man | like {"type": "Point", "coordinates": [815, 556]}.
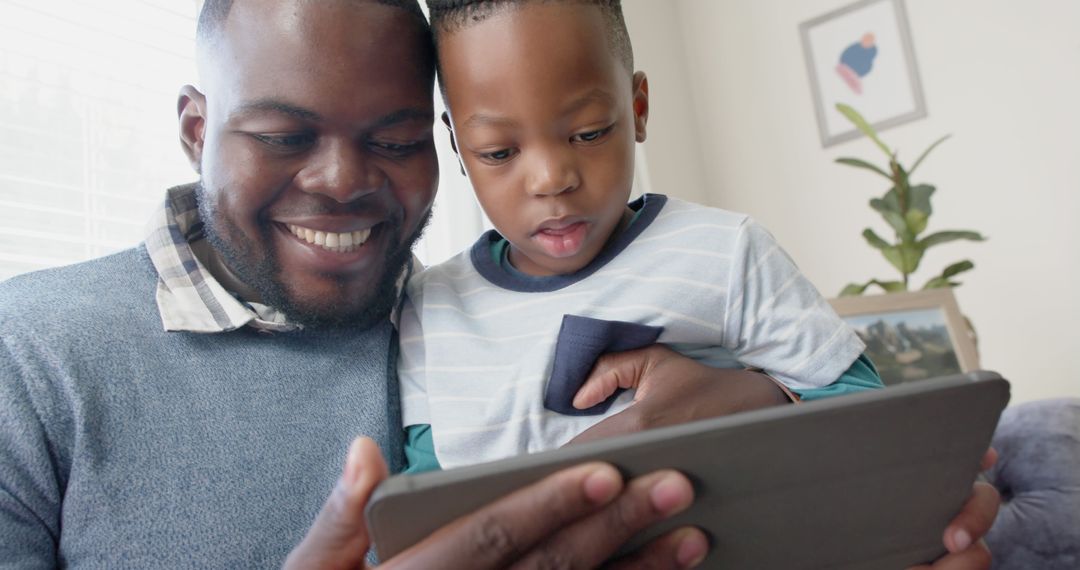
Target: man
{"type": "Point", "coordinates": [185, 403]}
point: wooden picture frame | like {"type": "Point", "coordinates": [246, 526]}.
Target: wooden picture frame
{"type": "Point", "coordinates": [912, 336]}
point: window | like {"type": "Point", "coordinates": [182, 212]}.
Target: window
{"type": "Point", "coordinates": [88, 132]}
{"type": "Point", "coordinates": [87, 128]}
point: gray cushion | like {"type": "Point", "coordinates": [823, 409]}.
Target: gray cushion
{"type": "Point", "coordinates": [1038, 474]}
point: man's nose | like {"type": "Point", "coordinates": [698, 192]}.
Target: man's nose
{"type": "Point", "coordinates": [342, 170]}
{"type": "Point", "coordinates": [553, 171]}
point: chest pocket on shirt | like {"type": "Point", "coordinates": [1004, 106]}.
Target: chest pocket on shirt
{"type": "Point", "coordinates": [582, 340]}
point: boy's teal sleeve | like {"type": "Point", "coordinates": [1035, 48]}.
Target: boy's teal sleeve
{"type": "Point", "coordinates": [420, 449]}
{"type": "Point", "coordinates": [861, 376]}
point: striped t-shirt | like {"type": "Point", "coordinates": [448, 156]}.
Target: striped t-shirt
{"type": "Point", "coordinates": [490, 358]}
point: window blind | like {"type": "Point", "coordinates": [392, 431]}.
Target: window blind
{"type": "Point", "coordinates": [88, 137]}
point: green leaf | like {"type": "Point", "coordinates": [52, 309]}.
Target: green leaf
{"type": "Point", "coordinates": [892, 253]}
{"type": "Point", "coordinates": [889, 209]}
{"type": "Point", "coordinates": [926, 152]}
{"type": "Point", "coordinates": [939, 238]}
{"type": "Point", "coordinates": [916, 221]}
{"type": "Point", "coordinates": [919, 210]}
{"type": "Point", "coordinates": [857, 163]}
{"type": "Point", "coordinates": [874, 240]}
{"type": "Point", "coordinates": [938, 282]}
{"type": "Point", "coordinates": [861, 124]}
{"type": "Point", "coordinates": [899, 224]}
{"type": "Point", "coordinates": [943, 280]}
{"type": "Point", "coordinates": [886, 204]}
{"type": "Point", "coordinates": [911, 254]}
{"type": "Point", "coordinates": [854, 289]}
{"type": "Point", "coordinates": [891, 286]}
{"type": "Point", "coordinates": [920, 198]}
{"type": "Point", "coordinates": [958, 268]}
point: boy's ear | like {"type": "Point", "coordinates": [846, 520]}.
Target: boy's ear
{"type": "Point", "coordinates": [453, 142]}
{"type": "Point", "coordinates": [191, 108]}
{"type": "Point", "coordinates": [641, 105]}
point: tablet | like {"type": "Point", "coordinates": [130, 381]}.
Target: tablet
{"type": "Point", "coordinates": [868, 480]}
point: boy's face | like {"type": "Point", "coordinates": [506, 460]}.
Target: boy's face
{"type": "Point", "coordinates": [545, 117]}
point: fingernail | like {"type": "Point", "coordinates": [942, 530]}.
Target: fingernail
{"type": "Point", "coordinates": [962, 540]}
{"type": "Point", "coordinates": [602, 485]}
{"type": "Point", "coordinates": [671, 495]}
{"type": "Point", "coordinates": [352, 464]}
{"type": "Point", "coordinates": [692, 550]}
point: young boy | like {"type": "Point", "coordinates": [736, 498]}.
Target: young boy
{"type": "Point", "coordinates": [545, 109]}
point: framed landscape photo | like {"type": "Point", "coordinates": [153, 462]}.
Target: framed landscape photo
{"type": "Point", "coordinates": [911, 336]}
{"type": "Point", "coordinates": [862, 55]}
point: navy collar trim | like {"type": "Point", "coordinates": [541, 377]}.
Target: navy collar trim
{"type": "Point", "coordinates": [649, 207]}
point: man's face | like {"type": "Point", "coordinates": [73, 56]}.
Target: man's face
{"type": "Point", "coordinates": [316, 155]}
{"type": "Point", "coordinates": [545, 118]}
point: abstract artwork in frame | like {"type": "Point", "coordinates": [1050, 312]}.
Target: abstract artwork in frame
{"type": "Point", "coordinates": [911, 336]}
{"type": "Point", "coordinates": [862, 55]}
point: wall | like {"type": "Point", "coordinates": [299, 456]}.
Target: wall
{"type": "Point", "coordinates": [674, 165]}
{"type": "Point", "coordinates": [1002, 76]}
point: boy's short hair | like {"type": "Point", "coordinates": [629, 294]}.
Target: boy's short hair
{"type": "Point", "coordinates": [448, 16]}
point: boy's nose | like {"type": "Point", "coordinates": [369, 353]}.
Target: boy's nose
{"type": "Point", "coordinates": [553, 172]}
{"type": "Point", "coordinates": [341, 170]}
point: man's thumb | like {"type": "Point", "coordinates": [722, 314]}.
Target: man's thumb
{"type": "Point", "coordinates": [339, 537]}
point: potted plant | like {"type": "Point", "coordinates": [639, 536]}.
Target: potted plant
{"type": "Point", "coordinates": [906, 208]}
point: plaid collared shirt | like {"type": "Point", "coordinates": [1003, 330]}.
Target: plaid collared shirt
{"type": "Point", "coordinates": [189, 298]}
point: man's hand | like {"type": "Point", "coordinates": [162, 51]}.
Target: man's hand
{"type": "Point", "coordinates": [671, 389]}
{"type": "Point", "coordinates": [963, 536]}
{"type": "Point", "coordinates": [576, 518]}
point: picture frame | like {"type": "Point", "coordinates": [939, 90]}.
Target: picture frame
{"type": "Point", "coordinates": [862, 55]}
{"type": "Point", "coordinates": [911, 336]}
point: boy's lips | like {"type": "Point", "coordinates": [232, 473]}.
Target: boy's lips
{"type": "Point", "coordinates": [561, 237]}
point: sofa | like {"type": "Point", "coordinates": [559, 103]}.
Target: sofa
{"type": "Point", "coordinates": [1038, 475]}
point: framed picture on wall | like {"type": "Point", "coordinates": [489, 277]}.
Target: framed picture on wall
{"type": "Point", "coordinates": [911, 336]}
{"type": "Point", "coordinates": [862, 55]}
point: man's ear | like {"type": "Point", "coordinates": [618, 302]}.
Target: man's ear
{"type": "Point", "coordinates": [453, 142]}
{"type": "Point", "coordinates": [191, 108]}
{"type": "Point", "coordinates": [641, 105]}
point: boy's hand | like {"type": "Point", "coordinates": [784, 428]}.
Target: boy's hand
{"type": "Point", "coordinates": [576, 518]}
{"type": "Point", "coordinates": [671, 389]}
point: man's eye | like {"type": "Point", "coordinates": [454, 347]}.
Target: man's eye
{"type": "Point", "coordinates": [398, 149]}
{"type": "Point", "coordinates": [290, 141]}
{"type": "Point", "coordinates": [591, 136]}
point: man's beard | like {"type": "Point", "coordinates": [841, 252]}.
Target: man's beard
{"type": "Point", "coordinates": [261, 272]}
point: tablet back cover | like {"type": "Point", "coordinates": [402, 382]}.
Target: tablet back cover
{"type": "Point", "coordinates": [862, 481]}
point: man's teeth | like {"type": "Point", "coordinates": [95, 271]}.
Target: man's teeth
{"type": "Point", "coordinates": [332, 241]}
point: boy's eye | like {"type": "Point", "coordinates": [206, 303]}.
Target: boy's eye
{"type": "Point", "coordinates": [286, 141]}
{"type": "Point", "coordinates": [591, 136]}
{"type": "Point", "coordinates": [501, 155]}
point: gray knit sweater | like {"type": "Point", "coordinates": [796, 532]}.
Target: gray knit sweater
{"type": "Point", "coordinates": [124, 446]}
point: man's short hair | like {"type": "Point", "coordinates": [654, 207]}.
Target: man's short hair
{"type": "Point", "coordinates": [448, 16]}
{"type": "Point", "coordinates": [215, 12]}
